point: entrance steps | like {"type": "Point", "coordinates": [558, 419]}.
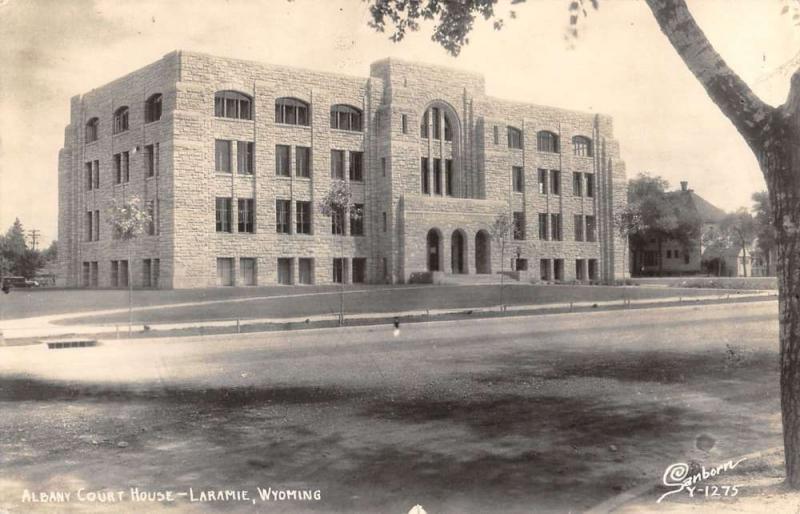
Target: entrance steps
{"type": "Point", "coordinates": [472, 278]}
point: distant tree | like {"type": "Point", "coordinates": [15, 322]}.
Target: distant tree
{"type": "Point", "coordinates": [740, 228]}
{"type": "Point", "coordinates": [765, 233]}
{"type": "Point", "coordinates": [128, 220]}
{"type": "Point", "coordinates": [336, 204]}
{"type": "Point", "coordinates": [50, 254]}
{"type": "Point", "coordinates": [627, 223]}
{"type": "Point", "coordinates": [14, 240]}
{"type": "Point", "coordinates": [500, 231]}
{"type": "Point", "coordinates": [15, 256]}
{"type": "Point", "coordinates": [653, 213]}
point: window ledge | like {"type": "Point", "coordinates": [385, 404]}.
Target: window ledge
{"type": "Point", "coordinates": [147, 123]}
{"type": "Point", "coordinates": [237, 120]}
{"type": "Point", "coordinates": [292, 125]}
{"type": "Point", "coordinates": [346, 131]}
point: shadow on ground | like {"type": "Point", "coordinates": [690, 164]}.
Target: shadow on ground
{"type": "Point", "coordinates": [543, 430]}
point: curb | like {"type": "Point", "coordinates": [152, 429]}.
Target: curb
{"type": "Point", "coordinates": [621, 499]}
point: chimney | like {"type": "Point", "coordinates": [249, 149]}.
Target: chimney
{"type": "Point", "coordinates": [684, 185]}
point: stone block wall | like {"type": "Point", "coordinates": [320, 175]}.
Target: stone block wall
{"type": "Point", "coordinates": [397, 216]}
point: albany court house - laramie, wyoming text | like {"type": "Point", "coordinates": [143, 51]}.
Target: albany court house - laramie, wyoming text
{"type": "Point", "coordinates": [230, 158]}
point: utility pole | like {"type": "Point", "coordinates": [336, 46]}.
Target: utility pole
{"type": "Point", "coordinates": [34, 235]}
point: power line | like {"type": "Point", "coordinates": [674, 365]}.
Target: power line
{"type": "Point", "coordinates": [34, 235]}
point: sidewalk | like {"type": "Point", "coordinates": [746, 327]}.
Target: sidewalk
{"type": "Point", "coordinates": [45, 326]}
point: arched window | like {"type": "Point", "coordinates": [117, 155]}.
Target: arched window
{"type": "Point", "coordinates": [91, 130]}
{"type": "Point", "coordinates": [121, 119]}
{"type": "Point", "coordinates": [152, 108]}
{"type": "Point", "coordinates": [435, 114]}
{"type": "Point", "coordinates": [291, 111]}
{"type": "Point", "coordinates": [514, 137]}
{"type": "Point", "coordinates": [345, 117]}
{"type": "Point", "coordinates": [232, 104]}
{"type": "Point", "coordinates": [582, 146]}
{"type": "Point", "coordinates": [547, 142]}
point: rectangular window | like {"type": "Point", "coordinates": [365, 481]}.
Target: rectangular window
{"type": "Point", "coordinates": [149, 161]}
{"type": "Point", "coordinates": [577, 184]}
{"type": "Point", "coordinates": [123, 273]}
{"type": "Point", "coordinates": [114, 273]}
{"type": "Point", "coordinates": [224, 271]}
{"type": "Point", "coordinates": [95, 274]}
{"type": "Point", "coordinates": [385, 223]}
{"type": "Point", "coordinates": [283, 216]}
{"type": "Point", "coordinates": [97, 225]}
{"type": "Point", "coordinates": [579, 275]}
{"type": "Point", "coordinates": [126, 166]}
{"type": "Point", "coordinates": [404, 123]}
{"type": "Point", "coordinates": [437, 176]}
{"type": "Point", "coordinates": [555, 227]}
{"type": "Point", "coordinates": [146, 270]}
{"type": "Point", "coordinates": [590, 185]}
{"type": "Point", "coordinates": [156, 274]}
{"type": "Point", "coordinates": [247, 271]}
{"type": "Point", "coordinates": [302, 160]}
{"type": "Point", "coordinates": [303, 210]}
{"type": "Point", "coordinates": [448, 177]}
{"type": "Point", "coordinates": [591, 231]}
{"type": "Point", "coordinates": [425, 176]}
{"type": "Point", "coordinates": [544, 269]}
{"type": "Point", "coordinates": [222, 152]}
{"type": "Point", "coordinates": [224, 215]}
{"type": "Point", "coordinates": [337, 222]}
{"type": "Point", "coordinates": [514, 138]}
{"type": "Point", "coordinates": [592, 269]}
{"type": "Point", "coordinates": [555, 182]}
{"type": "Point", "coordinates": [558, 269]}
{"type": "Point", "coordinates": [247, 214]}
{"type": "Point", "coordinates": [151, 215]}
{"type": "Point", "coordinates": [542, 181]}
{"type": "Point", "coordinates": [383, 166]}
{"type": "Point", "coordinates": [357, 220]}
{"type": "Point", "coordinates": [338, 270]}
{"type": "Point", "coordinates": [89, 176]}
{"type": "Point", "coordinates": [578, 227]}
{"type": "Point", "coordinates": [496, 134]}
{"type": "Point", "coordinates": [89, 226]}
{"type": "Point", "coordinates": [96, 173]}
{"type": "Point", "coordinates": [337, 164]}
{"type": "Point", "coordinates": [117, 168]}
{"type": "Point", "coordinates": [244, 157]}
{"type": "Point", "coordinates": [86, 275]}
{"type": "Point", "coordinates": [283, 160]}
{"type": "Point", "coordinates": [305, 270]}
{"type": "Point", "coordinates": [359, 270]}
{"type": "Point", "coordinates": [357, 166]}
{"type": "Point", "coordinates": [543, 227]}
{"type": "Point", "coordinates": [519, 225]}
{"type": "Point", "coordinates": [518, 178]}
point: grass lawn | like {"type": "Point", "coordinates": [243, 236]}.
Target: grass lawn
{"type": "Point", "coordinates": [515, 415]}
{"type": "Point", "coordinates": [388, 300]}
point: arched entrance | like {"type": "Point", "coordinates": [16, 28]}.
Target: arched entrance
{"type": "Point", "coordinates": [458, 252]}
{"type": "Point", "coordinates": [434, 250]}
{"type": "Point", "coordinates": [483, 252]}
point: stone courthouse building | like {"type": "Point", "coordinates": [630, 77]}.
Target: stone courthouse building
{"type": "Point", "coordinates": [231, 158]}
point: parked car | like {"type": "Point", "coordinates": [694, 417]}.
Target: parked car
{"type": "Point", "coordinates": [18, 282]}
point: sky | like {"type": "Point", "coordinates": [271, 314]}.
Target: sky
{"type": "Point", "coordinates": [620, 65]}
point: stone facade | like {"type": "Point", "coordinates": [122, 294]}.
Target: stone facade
{"type": "Point", "coordinates": [409, 228]}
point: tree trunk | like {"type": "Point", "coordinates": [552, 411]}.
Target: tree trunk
{"type": "Point", "coordinates": [744, 260]}
{"type": "Point", "coordinates": [773, 135]}
{"type": "Point", "coordinates": [660, 260]}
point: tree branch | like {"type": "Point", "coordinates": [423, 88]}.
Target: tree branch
{"type": "Point", "coordinates": [748, 113]}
